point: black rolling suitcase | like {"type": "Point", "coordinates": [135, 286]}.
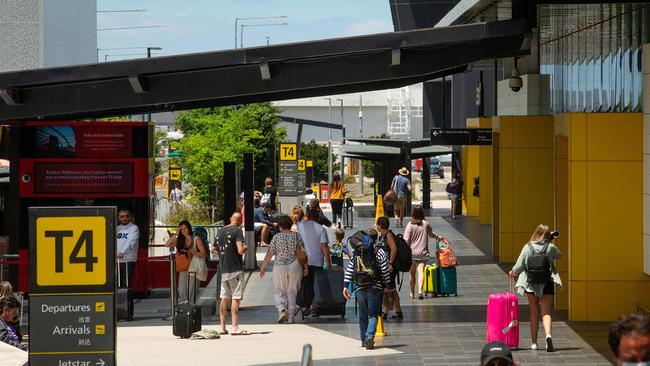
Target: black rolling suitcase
{"type": "Point", "coordinates": [328, 291]}
{"type": "Point", "coordinates": [348, 218]}
{"type": "Point", "coordinates": [187, 315]}
{"type": "Point", "coordinates": [124, 297]}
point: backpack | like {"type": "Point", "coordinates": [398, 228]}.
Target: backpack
{"type": "Point", "coordinates": [404, 257]}
{"type": "Point", "coordinates": [336, 254]}
{"type": "Point", "coordinates": [538, 266]}
{"type": "Point", "coordinates": [202, 233]}
{"type": "Point", "coordinates": [364, 269]}
{"type": "Point", "coordinates": [446, 256]}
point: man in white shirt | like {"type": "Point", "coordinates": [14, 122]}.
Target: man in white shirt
{"type": "Point", "coordinates": [127, 247]}
{"type": "Point", "coordinates": [316, 242]}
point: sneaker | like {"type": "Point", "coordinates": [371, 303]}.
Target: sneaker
{"type": "Point", "coordinates": [533, 346]}
{"type": "Point", "coordinates": [283, 316]}
{"type": "Point", "coordinates": [549, 344]}
{"type": "Point", "coordinates": [370, 343]}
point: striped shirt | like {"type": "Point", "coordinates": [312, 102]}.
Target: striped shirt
{"type": "Point", "coordinates": [380, 282]}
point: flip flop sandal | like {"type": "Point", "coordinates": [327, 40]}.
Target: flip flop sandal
{"type": "Point", "coordinates": [239, 332]}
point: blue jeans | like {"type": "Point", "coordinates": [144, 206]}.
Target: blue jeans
{"type": "Point", "coordinates": [369, 303]}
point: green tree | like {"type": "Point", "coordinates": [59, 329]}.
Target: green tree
{"type": "Point", "coordinates": [318, 154]}
{"type": "Point", "coordinates": [217, 135]}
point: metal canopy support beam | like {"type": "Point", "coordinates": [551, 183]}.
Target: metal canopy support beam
{"type": "Point", "coordinates": [138, 84]}
{"type": "Point", "coordinates": [11, 96]}
{"type": "Point", "coordinates": [299, 70]}
{"type": "Point", "coordinates": [309, 122]}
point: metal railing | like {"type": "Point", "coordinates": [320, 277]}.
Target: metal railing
{"type": "Point", "coordinates": [7, 260]}
{"type": "Point", "coordinates": [306, 355]}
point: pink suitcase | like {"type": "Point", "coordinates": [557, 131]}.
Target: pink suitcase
{"type": "Point", "coordinates": [503, 318]}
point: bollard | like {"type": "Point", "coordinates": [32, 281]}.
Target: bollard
{"type": "Point", "coordinates": [306, 355]}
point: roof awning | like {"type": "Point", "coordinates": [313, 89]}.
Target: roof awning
{"type": "Point", "coordinates": [278, 72]}
{"type": "Point", "coordinates": [376, 152]}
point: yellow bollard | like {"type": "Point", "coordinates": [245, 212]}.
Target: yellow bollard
{"type": "Point", "coordinates": [380, 328]}
{"type": "Point", "coordinates": [379, 212]}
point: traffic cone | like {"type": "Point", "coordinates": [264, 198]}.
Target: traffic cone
{"type": "Point", "coordinates": [379, 212]}
{"type": "Point", "coordinates": [380, 327]}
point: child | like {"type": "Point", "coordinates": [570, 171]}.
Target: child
{"type": "Point", "coordinates": [6, 289]}
{"type": "Point", "coordinates": [338, 247]}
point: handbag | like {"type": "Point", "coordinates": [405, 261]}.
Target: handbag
{"type": "Point", "coordinates": [446, 256]}
{"type": "Point", "coordinates": [198, 266]}
{"type": "Point", "coordinates": [182, 261]}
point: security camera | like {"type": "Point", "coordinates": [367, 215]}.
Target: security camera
{"type": "Point", "coordinates": [515, 83]}
{"type": "Point", "coordinates": [26, 178]}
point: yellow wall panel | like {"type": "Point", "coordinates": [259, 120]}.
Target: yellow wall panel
{"type": "Point", "coordinates": [519, 240]}
{"type": "Point", "coordinates": [496, 211]}
{"type": "Point", "coordinates": [533, 131]}
{"type": "Point", "coordinates": [505, 248]}
{"type": "Point", "coordinates": [578, 220]}
{"type": "Point", "coordinates": [578, 149]}
{"type": "Point", "coordinates": [608, 300]}
{"type": "Point", "coordinates": [614, 136]}
{"type": "Point", "coordinates": [505, 189]}
{"type": "Point", "coordinates": [615, 221]}
{"type": "Point", "coordinates": [562, 124]}
{"type": "Point", "coordinates": [578, 301]}
{"type": "Point", "coordinates": [504, 126]}
{"type": "Point", "coordinates": [532, 188]}
{"type": "Point", "coordinates": [472, 170]}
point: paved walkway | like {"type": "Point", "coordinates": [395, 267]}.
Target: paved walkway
{"type": "Point", "coordinates": [435, 331]}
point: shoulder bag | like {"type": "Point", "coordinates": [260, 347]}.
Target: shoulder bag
{"type": "Point", "coordinates": [198, 266]}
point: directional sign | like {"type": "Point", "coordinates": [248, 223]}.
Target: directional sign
{"type": "Point", "coordinates": [175, 174]}
{"type": "Point", "coordinates": [72, 286]}
{"type": "Point", "coordinates": [288, 152]}
{"type": "Point", "coordinates": [461, 136]}
{"type": "Point", "coordinates": [310, 164]}
{"type": "Point", "coordinates": [288, 184]}
{"type": "Point", "coordinates": [301, 165]}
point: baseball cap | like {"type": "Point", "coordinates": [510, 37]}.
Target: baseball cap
{"type": "Point", "coordinates": [494, 350]}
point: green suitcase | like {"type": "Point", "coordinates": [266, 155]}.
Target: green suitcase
{"type": "Point", "coordinates": [430, 280]}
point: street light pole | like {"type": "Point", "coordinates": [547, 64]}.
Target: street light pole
{"type": "Point", "coordinates": [329, 143]}
{"type": "Point", "coordinates": [360, 136]}
{"type": "Point", "coordinates": [254, 18]}
{"type": "Point", "coordinates": [241, 34]}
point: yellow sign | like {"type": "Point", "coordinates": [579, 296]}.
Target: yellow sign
{"type": "Point", "coordinates": [100, 307]}
{"type": "Point", "coordinates": [71, 251]}
{"type": "Point", "coordinates": [174, 174]}
{"type": "Point", "coordinates": [310, 163]}
{"type": "Point", "coordinates": [301, 165]}
{"type": "Point", "coordinates": [288, 152]}
{"type": "Point", "coordinates": [100, 329]}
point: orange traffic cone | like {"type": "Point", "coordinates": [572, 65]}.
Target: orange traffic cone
{"type": "Point", "coordinates": [380, 328]}
{"type": "Point", "coordinates": [379, 212]}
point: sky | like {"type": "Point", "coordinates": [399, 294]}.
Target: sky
{"type": "Point", "coordinates": [209, 25]}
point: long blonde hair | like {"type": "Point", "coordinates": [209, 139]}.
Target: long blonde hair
{"type": "Point", "coordinates": [6, 289]}
{"type": "Point", "coordinates": [541, 233]}
{"type": "Point", "coordinates": [297, 214]}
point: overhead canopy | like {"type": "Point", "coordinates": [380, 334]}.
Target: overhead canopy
{"type": "Point", "coordinates": [378, 152]}
{"type": "Point", "coordinates": [278, 72]}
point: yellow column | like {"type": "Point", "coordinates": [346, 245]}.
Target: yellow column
{"type": "Point", "coordinates": [562, 127]}
{"type": "Point", "coordinates": [471, 169]}
{"type": "Point", "coordinates": [525, 180]}
{"type": "Point", "coordinates": [604, 214]}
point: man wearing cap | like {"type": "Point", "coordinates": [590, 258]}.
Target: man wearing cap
{"type": "Point", "coordinates": [263, 222]}
{"type": "Point", "coordinates": [402, 186]}
{"type": "Point", "coordinates": [496, 354]}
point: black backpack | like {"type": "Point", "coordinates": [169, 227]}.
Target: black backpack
{"type": "Point", "coordinates": [404, 257]}
{"type": "Point", "coordinates": [538, 266]}
{"type": "Point", "coordinates": [364, 270]}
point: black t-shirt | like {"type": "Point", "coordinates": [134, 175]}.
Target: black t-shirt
{"type": "Point", "coordinates": [229, 259]}
{"type": "Point", "coordinates": [272, 193]}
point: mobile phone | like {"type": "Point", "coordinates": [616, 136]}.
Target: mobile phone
{"type": "Point", "coordinates": [554, 234]}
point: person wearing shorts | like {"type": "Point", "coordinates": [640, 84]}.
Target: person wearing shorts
{"type": "Point", "coordinates": [540, 295]}
{"type": "Point", "coordinates": [402, 186]}
{"type": "Point", "coordinates": [230, 246]}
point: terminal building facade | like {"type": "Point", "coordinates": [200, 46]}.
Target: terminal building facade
{"type": "Point", "coordinates": [571, 145]}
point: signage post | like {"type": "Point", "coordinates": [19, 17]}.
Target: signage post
{"type": "Point", "coordinates": [72, 286]}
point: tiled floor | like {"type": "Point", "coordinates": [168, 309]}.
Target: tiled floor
{"type": "Point", "coordinates": [443, 330]}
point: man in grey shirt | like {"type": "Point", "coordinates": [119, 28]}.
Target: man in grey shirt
{"type": "Point", "coordinates": [316, 242]}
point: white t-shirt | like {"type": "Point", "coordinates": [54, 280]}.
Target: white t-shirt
{"type": "Point", "coordinates": [127, 242]}
{"type": "Point", "coordinates": [313, 235]}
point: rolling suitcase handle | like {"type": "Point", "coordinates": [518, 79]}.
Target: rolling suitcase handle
{"type": "Point", "coordinates": [126, 266]}
{"type": "Point", "coordinates": [513, 322]}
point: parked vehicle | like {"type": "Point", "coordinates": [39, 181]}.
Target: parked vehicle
{"type": "Point", "coordinates": [436, 167]}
